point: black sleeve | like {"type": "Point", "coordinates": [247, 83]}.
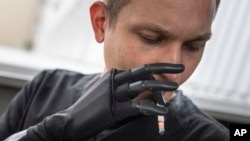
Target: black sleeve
{"type": "Point", "coordinates": [12, 119]}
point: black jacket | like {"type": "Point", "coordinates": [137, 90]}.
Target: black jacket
{"type": "Point", "coordinates": [53, 91]}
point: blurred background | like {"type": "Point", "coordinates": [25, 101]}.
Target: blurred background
{"type": "Point", "coordinates": [48, 34]}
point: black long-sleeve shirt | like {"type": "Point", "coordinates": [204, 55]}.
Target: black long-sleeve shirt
{"type": "Point", "coordinates": [55, 90]}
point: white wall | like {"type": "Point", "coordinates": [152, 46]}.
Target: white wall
{"type": "Point", "coordinates": [16, 19]}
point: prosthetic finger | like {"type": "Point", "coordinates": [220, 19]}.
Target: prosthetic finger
{"type": "Point", "coordinates": [147, 107]}
{"type": "Point", "coordinates": [128, 91]}
{"type": "Point", "coordinates": [146, 71]}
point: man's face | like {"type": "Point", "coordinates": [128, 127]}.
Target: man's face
{"type": "Point", "coordinates": [159, 31]}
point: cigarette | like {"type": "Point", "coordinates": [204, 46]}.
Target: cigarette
{"type": "Point", "coordinates": [161, 123]}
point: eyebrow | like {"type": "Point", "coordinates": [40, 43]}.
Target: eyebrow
{"type": "Point", "coordinates": [153, 28]}
{"type": "Point", "coordinates": [159, 30]}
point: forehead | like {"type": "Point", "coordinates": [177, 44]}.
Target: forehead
{"type": "Point", "coordinates": [183, 16]}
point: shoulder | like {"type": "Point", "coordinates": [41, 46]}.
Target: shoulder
{"type": "Point", "coordinates": [57, 77]}
{"type": "Point", "coordinates": [49, 92]}
{"type": "Point", "coordinates": [60, 82]}
{"type": "Point", "coordinates": [52, 91]}
{"type": "Point", "coordinates": [59, 74]}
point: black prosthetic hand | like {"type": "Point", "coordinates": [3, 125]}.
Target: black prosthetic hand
{"type": "Point", "coordinates": [106, 103]}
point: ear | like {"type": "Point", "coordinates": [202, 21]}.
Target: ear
{"type": "Point", "coordinates": [98, 18]}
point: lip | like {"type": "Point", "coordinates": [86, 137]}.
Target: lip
{"type": "Point", "coordinates": [167, 77]}
{"type": "Point", "coordinates": [166, 94]}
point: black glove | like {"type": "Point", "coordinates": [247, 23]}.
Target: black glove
{"type": "Point", "coordinates": [106, 103]}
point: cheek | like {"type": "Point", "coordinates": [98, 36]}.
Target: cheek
{"type": "Point", "coordinates": [132, 56]}
{"type": "Point", "coordinates": [123, 55]}
{"type": "Point", "coordinates": [123, 51]}
{"type": "Point", "coordinates": [138, 54]}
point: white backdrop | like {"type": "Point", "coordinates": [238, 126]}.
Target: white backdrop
{"type": "Point", "coordinates": [65, 31]}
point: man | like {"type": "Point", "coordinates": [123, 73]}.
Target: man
{"type": "Point", "coordinates": [150, 47]}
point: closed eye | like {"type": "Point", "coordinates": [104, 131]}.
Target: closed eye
{"type": "Point", "coordinates": [150, 39]}
{"type": "Point", "coordinates": [194, 47]}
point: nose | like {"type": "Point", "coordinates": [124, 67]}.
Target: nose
{"type": "Point", "coordinates": [172, 53]}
